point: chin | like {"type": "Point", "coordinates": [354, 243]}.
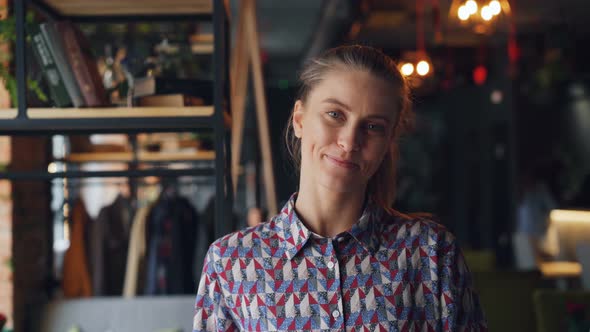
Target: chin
{"type": "Point", "coordinates": [340, 185]}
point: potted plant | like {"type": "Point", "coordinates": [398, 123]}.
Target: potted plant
{"type": "Point", "coordinates": [8, 35]}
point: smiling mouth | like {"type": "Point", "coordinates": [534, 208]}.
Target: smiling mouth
{"type": "Point", "coordinates": [342, 163]}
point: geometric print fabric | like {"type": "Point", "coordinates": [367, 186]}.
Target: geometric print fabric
{"type": "Point", "coordinates": [387, 273]}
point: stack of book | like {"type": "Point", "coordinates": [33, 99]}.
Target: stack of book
{"type": "Point", "coordinates": [71, 71]}
{"type": "Point", "coordinates": [68, 65]}
{"type": "Point", "coordinates": [201, 43]}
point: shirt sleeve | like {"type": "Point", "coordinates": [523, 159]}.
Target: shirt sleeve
{"type": "Point", "coordinates": [211, 312]}
{"type": "Point", "coordinates": [461, 309]}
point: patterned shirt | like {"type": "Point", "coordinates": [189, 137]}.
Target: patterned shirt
{"type": "Point", "coordinates": [387, 273]}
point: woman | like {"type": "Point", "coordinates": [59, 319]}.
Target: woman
{"type": "Point", "coordinates": [337, 257]}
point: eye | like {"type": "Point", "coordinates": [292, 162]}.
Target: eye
{"type": "Point", "coordinates": [376, 128]}
{"type": "Point", "coordinates": [334, 114]}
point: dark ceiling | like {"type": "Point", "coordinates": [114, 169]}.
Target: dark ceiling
{"type": "Point", "coordinates": [292, 30]}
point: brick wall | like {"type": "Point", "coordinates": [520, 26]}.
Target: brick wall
{"type": "Point", "coordinates": [31, 229]}
{"type": "Point", "coordinates": [25, 225]}
{"type": "Point", "coordinates": [6, 287]}
{"type": "Point", "coordinates": [5, 234]}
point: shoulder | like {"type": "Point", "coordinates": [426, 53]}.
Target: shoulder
{"type": "Point", "coordinates": [417, 229]}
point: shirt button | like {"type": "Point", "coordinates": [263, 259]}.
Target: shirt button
{"type": "Point", "coordinates": [335, 313]}
{"type": "Point", "coordinates": [330, 265]}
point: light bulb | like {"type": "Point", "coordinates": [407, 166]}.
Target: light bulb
{"type": "Point", "coordinates": [422, 68]}
{"type": "Point", "coordinates": [407, 69]}
{"type": "Point", "coordinates": [471, 6]}
{"type": "Point", "coordinates": [495, 7]}
{"type": "Point", "coordinates": [486, 13]}
{"type": "Point", "coordinates": [52, 168]}
{"type": "Point", "coordinates": [463, 13]}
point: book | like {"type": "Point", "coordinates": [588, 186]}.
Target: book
{"type": "Point", "coordinates": [202, 48]}
{"type": "Point", "coordinates": [147, 86]}
{"type": "Point", "coordinates": [84, 67]}
{"type": "Point", "coordinates": [56, 48]}
{"type": "Point", "coordinates": [171, 100]}
{"type": "Point", "coordinates": [201, 38]}
{"type": "Point", "coordinates": [57, 89]}
{"type": "Point", "coordinates": [202, 43]}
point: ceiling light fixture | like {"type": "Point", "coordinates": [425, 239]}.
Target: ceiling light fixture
{"type": "Point", "coordinates": [479, 13]}
{"type": "Point", "coordinates": [417, 64]}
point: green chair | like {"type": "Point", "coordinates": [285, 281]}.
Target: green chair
{"type": "Point", "coordinates": [506, 298]}
{"type": "Point", "coordinates": [480, 260]}
{"type": "Point", "coordinates": [551, 310]}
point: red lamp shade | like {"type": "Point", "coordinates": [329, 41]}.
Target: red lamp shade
{"type": "Point", "coordinates": [480, 74]}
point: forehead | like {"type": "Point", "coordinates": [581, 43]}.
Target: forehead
{"type": "Point", "coordinates": [356, 88]}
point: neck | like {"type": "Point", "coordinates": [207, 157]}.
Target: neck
{"type": "Point", "coordinates": [326, 212]}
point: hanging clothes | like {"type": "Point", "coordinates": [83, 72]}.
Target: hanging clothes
{"type": "Point", "coordinates": [76, 278]}
{"type": "Point", "coordinates": [170, 235]}
{"type": "Point", "coordinates": [205, 236]}
{"type": "Point", "coordinates": [136, 253]}
{"type": "Point", "coordinates": [109, 243]}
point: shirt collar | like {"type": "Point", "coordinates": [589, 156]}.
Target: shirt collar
{"type": "Point", "coordinates": [366, 229]}
{"type": "Point", "coordinates": [294, 234]}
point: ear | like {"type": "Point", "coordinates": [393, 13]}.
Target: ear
{"type": "Point", "coordinates": [298, 113]}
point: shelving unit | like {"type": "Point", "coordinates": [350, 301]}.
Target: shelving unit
{"type": "Point", "coordinates": [207, 165]}
{"type": "Point", "coordinates": [128, 119]}
{"type": "Point", "coordinates": [142, 156]}
{"type": "Point", "coordinates": [37, 121]}
{"type": "Point", "coordinates": [77, 8]}
{"type": "Point", "coordinates": [121, 112]}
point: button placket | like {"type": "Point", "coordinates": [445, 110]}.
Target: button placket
{"type": "Point", "coordinates": [336, 294]}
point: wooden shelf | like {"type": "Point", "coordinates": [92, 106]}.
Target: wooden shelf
{"type": "Point", "coordinates": [7, 113]}
{"type": "Point", "coordinates": [145, 156]}
{"type": "Point", "coordinates": [119, 112]}
{"type": "Point", "coordinates": [130, 7]}
{"type": "Point", "coordinates": [202, 48]}
{"type": "Point", "coordinates": [113, 119]}
{"type": "Point", "coordinates": [112, 112]}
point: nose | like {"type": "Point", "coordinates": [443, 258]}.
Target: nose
{"type": "Point", "coordinates": [349, 139]}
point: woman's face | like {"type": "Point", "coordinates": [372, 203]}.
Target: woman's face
{"type": "Point", "coordinates": [345, 127]}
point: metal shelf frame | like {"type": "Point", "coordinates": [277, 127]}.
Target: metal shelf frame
{"type": "Point", "coordinates": [32, 175]}
{"type": "Point", "coordinates": [53, 13]}
{"type": "Point", "coordinates": [22, 124]}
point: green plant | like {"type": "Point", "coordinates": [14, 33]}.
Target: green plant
{"type": "Point", "coordinates": [8, 35]}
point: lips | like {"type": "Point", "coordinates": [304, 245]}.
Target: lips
{"type": "Point", "coordinates": [342, 163]}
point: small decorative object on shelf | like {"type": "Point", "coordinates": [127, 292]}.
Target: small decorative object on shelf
{"type": "Point", "coordinates": [150, 85]}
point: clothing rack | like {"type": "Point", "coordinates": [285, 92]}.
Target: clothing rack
{"type": "Point", "coordinates": [129, 223]}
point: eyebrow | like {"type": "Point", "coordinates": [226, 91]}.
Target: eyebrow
{"type": "Point", "coordinates": [337, 102]}
{"type": "Point", "coordinates": [343, 105]}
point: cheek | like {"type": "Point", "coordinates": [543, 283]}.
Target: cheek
{"type": "Point", "coordinates": [315, 136]}
{"type": "Point", "coordinates": [375, 154]}
{"type": "Point", "coordinates": [308, 147]}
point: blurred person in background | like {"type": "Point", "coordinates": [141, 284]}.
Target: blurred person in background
{"type": "Point", "coordinates": [532, 238]}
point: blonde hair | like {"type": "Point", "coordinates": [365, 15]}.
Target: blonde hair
{"type": "Point", "coordinates": [381, 187]}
